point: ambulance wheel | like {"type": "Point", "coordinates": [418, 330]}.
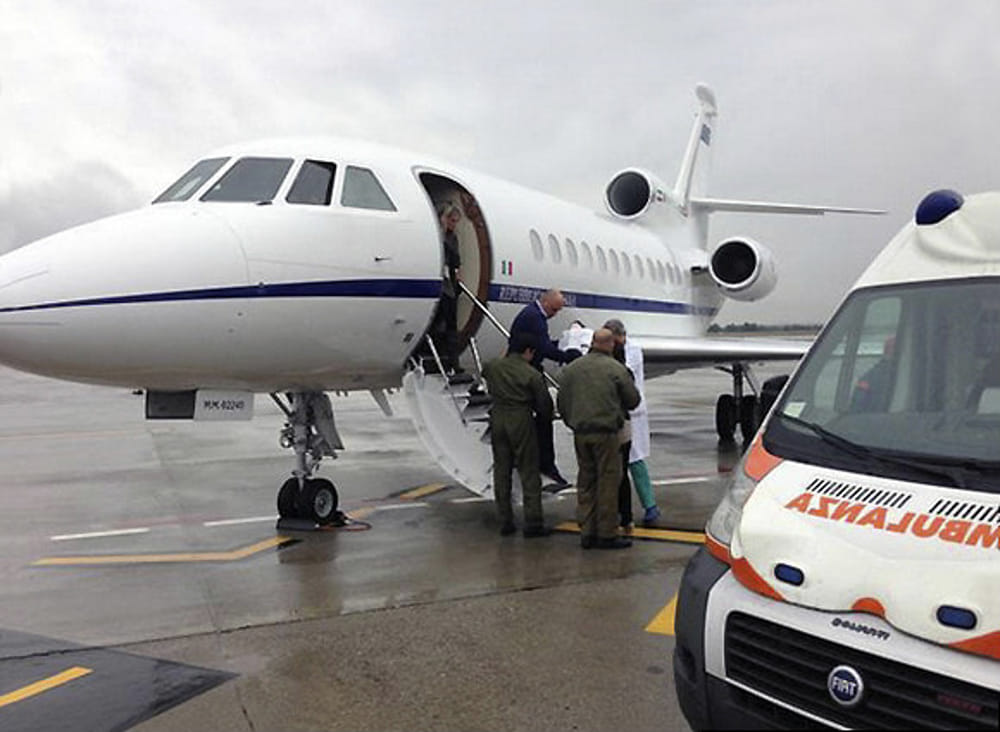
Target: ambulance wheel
{"type": "Point", "coordinates": [287, 498]}
{"type": "Point", "coordinates": [725, 417]}
{"type": "Point", "coordinates": [319, 501]}
{"type": "Point", "coordinates": [749, 417]}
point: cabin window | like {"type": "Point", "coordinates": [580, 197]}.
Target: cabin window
{"type": "Point", "coordinates": [250, 180]}
{"type": "Point", "coordinates": [362, 190]}
{"type": "Point", "coordinates": [661, 272]}
{"type": "Point", "coordinates": [588, 258]}
{"type": "Point", "coordinates": [602, 262]}
{"type": "Point", "coordinates": [639, 269]}
{"type": "Point", "coordinates": [536, 246]}
{"type": "Point", "coordinates": [189, 183]}
{"type": "Point", "coordinates": [626, 265]}
{"type": "Point", "coordinates": [554, 249]}
{"type": "Point", "coordinates": [314, 184]}
{"type": "Point", "coordinates": [571, 254]}
{"type": "Point", "coordinates": [651, 268]}
{"type": "Point", "coordinates": [615, 266]}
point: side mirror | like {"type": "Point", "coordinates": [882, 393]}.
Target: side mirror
{"type": "Point", "coordinates": [769, 392]}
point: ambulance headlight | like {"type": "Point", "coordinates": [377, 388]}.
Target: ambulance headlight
{"type": "Point", "coordinates": [730, 509]}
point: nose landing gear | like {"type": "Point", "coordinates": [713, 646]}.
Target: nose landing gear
{"type": "Point", "coordinates": [312, 433]}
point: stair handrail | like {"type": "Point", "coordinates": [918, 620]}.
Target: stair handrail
{"type": "Point", "coordinates": [497, 324]}
{"type": "Point", "coordinates": [447, 379]}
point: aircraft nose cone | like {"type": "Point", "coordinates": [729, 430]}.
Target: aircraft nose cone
{"type": "Point", "coordinates": [70, 304]}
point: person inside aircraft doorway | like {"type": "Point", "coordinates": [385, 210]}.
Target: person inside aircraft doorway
{"type": "Point", "coordinates": [533, 321]}
{"type": "Point", "coordinates": [445, 328]}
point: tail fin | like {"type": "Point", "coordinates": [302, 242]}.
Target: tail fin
{"type": "Point", "coordinates": [689, 190]}
{"type": "Point", "coordinates": [693, 174]}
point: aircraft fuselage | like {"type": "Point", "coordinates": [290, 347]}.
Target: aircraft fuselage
{"type": "Point", "coordinates": [279, 295]}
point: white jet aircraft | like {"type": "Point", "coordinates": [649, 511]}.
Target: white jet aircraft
{"type": "Point", "coordinates": [295, 267]}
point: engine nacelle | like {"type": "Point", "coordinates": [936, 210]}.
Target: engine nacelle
{"type": "Point", "coordinates": [743, 269]}
{"type": "Point", "coordinates": [631, 192]}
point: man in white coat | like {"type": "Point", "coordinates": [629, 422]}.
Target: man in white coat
{"type": "Point", "coordinates": [639, 418]}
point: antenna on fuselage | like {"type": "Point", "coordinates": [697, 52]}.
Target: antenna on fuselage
{"type": "Point", "coordinates": [701, 134]}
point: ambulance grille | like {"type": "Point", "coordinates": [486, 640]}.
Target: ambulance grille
{"type": "Point", "coordinates": [792, 667]}
{"type": "Point", "coordinates": [860, 493]}
{"type": "Point", "coordinates": [967, 510]}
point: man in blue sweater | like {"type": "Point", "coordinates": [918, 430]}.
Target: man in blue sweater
{"type": "Point", "coordinates": [533, 321]}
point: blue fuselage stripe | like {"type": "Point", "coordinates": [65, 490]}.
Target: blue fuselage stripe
{"type": "Point", "coordinates": [381, 288]}
{"type": "Point", "coordinates": [594, 301]}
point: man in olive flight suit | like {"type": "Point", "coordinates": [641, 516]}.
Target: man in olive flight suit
{"type": "Point", "coordinates": [595, 394]}
{"type": "Point", "coordinates": [519, 394]}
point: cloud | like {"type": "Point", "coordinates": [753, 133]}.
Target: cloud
{"type": "Point", "coordinates": [848, 103]}
{"type": "Point", "coordinates": [31, 210]}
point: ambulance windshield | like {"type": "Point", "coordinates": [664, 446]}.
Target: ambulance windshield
{"type": "Point", "coordinates": [906, 379]}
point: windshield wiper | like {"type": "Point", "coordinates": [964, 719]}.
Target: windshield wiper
{"type": "Point", "coordinates": [971, 465]}
{"type": "Point", "coordinates": [927, 465]}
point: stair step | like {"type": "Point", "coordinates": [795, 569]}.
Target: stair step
{"type": "Point", "coordinates": [479, 399]}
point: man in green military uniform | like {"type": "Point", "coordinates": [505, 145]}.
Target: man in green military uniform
{"type": "Point", "coordinates": [595, 394]}
{"type": "Point", "coordinates": [518, 393]}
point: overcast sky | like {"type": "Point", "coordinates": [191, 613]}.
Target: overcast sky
{"type": "Point", "coordinates": [103, 103]}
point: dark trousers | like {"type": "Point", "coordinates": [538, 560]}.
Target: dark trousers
{"type": "Point", "coordinates": [546, 446]}
{"type": "Point", "coordinates": [625, 489]}
{"type": "Point", "coordinates": [445, 331]}
{"type": "Point", "coordinates": [512, 437]}
{"type": "Point", "coordinates": [598, 460]}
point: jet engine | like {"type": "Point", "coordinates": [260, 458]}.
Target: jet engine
{"type": "Point", "coordinates": [632, 191]}
{"type": "Point", "coordinates": [743, 269]}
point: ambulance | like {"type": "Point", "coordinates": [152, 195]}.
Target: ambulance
{"type": "Point", "coordinates": [851, 573]}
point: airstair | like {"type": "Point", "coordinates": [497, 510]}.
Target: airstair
{"type": "Point", "coordinates": [451, 413]}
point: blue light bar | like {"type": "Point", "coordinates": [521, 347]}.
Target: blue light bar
{"type": "Point", "coordinates": [956, 617]}
{"type": "Point", "coordinates": [789, 574]}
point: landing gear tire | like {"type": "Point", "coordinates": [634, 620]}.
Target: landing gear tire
{"type": "Point", "coordinates": [725, 417]}
{"type": "Point", "coordinates": [749, 417]}
{"type": "Point", "coordinates": [319, 501]}
{"type": "Point", "coordinates": [287, 499]}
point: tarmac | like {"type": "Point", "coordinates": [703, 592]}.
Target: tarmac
{"type": "Point", "coordinates": [145, 584]}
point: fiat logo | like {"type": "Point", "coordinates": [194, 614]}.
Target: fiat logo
{"type": "Point", "coordinates": [845, 685]}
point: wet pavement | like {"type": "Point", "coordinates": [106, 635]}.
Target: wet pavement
{"type": "Point", "coordinates": [156, 540]}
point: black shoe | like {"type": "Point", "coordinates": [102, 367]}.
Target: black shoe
{"type": "Point", "coordinates": [556, 477]}
{"type": "Point", "coordinates": [587, 541]}
{"type": "Point", "coordinates": [534, 532]}
{"type": "Point", "coordinates": [615, 542]}
{"type": "Point", "coordinates": [507, 529]}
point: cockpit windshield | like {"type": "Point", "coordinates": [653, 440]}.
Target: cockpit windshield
{"type": "Point", "coordinates": [189, 183]}
{"type": "Point", "coordinates": [250, 180]}
{"type": "Point", "coordinates": [907, 379]}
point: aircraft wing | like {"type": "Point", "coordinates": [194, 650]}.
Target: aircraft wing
{"type": "Point", "coordinates": [672, 353]}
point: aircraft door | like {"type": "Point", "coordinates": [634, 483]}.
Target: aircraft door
{"type": "Point", "coordinates": [475, 252]}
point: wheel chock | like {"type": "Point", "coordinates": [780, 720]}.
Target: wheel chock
{"type": "Point", "coordinates": [340, 520]}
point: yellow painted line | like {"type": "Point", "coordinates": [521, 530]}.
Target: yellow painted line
{"type": "Point", "coordinates": [663, 623]}
{"type": "Point", "coordinates": [229, 556]}
{"type": "Point", "coordinates": [44, 685]}
{"type": "Point", "coordinates": [687, 537]}
{"type": "Point", "coordinates": [362, 513]}
{"type": "Point", "coordinates": [424, 490]}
